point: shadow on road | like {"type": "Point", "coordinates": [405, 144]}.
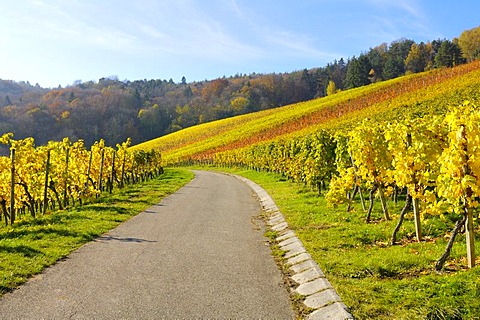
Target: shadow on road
{"type": "Point", "coordinates": [110, 238]}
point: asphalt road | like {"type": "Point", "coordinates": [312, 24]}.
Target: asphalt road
{"type": "Point", "coordinates": [198, 254]}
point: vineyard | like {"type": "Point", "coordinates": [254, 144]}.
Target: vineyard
{"type": "Point", "coordinates": [37, 179]}
{"type": "Point", "coordinates": [388, 179]}
{"type": "Point", "coordinates": [418, 94]}
{"type": "Point", "coordinates": [435, 160]}
{"type": "Point", "coordinates": [412, 135]}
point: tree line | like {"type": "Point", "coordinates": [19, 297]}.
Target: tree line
{"type": "Point", "coordinates": [144, 109]}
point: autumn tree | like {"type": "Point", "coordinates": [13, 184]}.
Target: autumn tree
{"type": "Point", "coordinates": [154, 121]}
{"type": "Point", "coordinates": [214, 88]}
{"type": "Point", "coordinates": [417, 58]}
{"type": "Point", "coordinates": [469, 42]}
{"type": "Point", "coordinates": [331, 88]}
{"type": "Point", "coordinates": [239, 105]}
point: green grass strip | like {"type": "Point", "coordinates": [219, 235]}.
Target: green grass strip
{"type": "Point", "coordinates": [32, 245]}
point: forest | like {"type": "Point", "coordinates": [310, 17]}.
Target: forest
{"type": "Point", "coordinates": [115, 109]}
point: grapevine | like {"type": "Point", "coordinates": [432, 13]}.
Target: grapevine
{"type": "Point", "coordinates": [458, 183]}
{"type": "Point", "coordinates": [435, 159]}
{"type": "Point", "coordinates": [60, 174]}
{"type": "Point", "coordinates": [415, 145]}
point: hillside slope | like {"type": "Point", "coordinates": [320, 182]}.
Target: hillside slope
{"type": "Point", "coordinates": [418, 94]}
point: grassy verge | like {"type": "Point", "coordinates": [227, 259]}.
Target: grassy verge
{"type": "Point", "coordinates": [374, 279]}
{"type": "Point", "coordinates": [31, 245]}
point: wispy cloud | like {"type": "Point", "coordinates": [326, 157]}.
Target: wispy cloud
{"type": "Point", "coordinates": [213, 40]}
{"type": "Point", "coordinates": [186, 29]}
{"type": "Point", "coordinates": [276, 39]}
{"type": "Point", "coordinates": [236, 9]}
{"type": "Point", "coordinates": [295, 44]}
{"type": "Point", "coordinates": [112, 39]}
{"type": "Point", "coordinates": [395, 19]}
{"type": "Point", "coordinates": [152, 31]}
{"type": "Point", "coordinates": [406, 6]}
{"type": "Point", "coordinates": [181, 28]}
{"type": "Point", "coordinates": [60, 26]}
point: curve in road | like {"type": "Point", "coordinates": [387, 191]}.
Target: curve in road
{"type": "Point", "coordinates": [196, 254]}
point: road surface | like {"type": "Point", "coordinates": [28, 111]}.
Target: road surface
{"type": "Point", "coordinates": [198, 254]}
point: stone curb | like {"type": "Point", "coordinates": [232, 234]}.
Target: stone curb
{"type": "Point", "coordinates": [320, 296]}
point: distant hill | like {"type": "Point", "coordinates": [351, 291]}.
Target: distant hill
{"type": "Point", "coordinates": [14, 90]}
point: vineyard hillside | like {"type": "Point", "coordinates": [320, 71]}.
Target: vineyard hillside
{"type": "Point", "coordinates": [413, 95]}
{"type": "Point", "coordinates": [378, 183]}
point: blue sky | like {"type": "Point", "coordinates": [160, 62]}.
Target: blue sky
{"type": "Point", "coordinates": [55, 42]}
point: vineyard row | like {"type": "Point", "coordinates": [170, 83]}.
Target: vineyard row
{"type": "Point", "coordinates": [435, 159]}
{"type": "Point", "coordinates": [36, 179]}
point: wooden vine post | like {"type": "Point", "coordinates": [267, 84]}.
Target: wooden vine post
{"type": "Point", "coordinates": [112, 176]}
{"type": "Point", "coordinates": [416, 210]}
{"type": "Point", "coordinates": [383, 201]}
{"type": "Point", "coordinates": [45, 189]}
{"type": "Point", "coordinates": [100, 184]}
{"type": "Point", "coordinates": [122, 177]}
{"type": "Point", "coordinates": [468, 212]}
{"type": "Point", "coordinates": [12, 187]}
{"type": "Point", "coordinates": [65, 182]}
{"type": "Point", "coordinates": [470, 237]}
{"type": "Point", "coordinates": [357, 180]}
{"type": "Point", "coordinates": [88, 170]}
